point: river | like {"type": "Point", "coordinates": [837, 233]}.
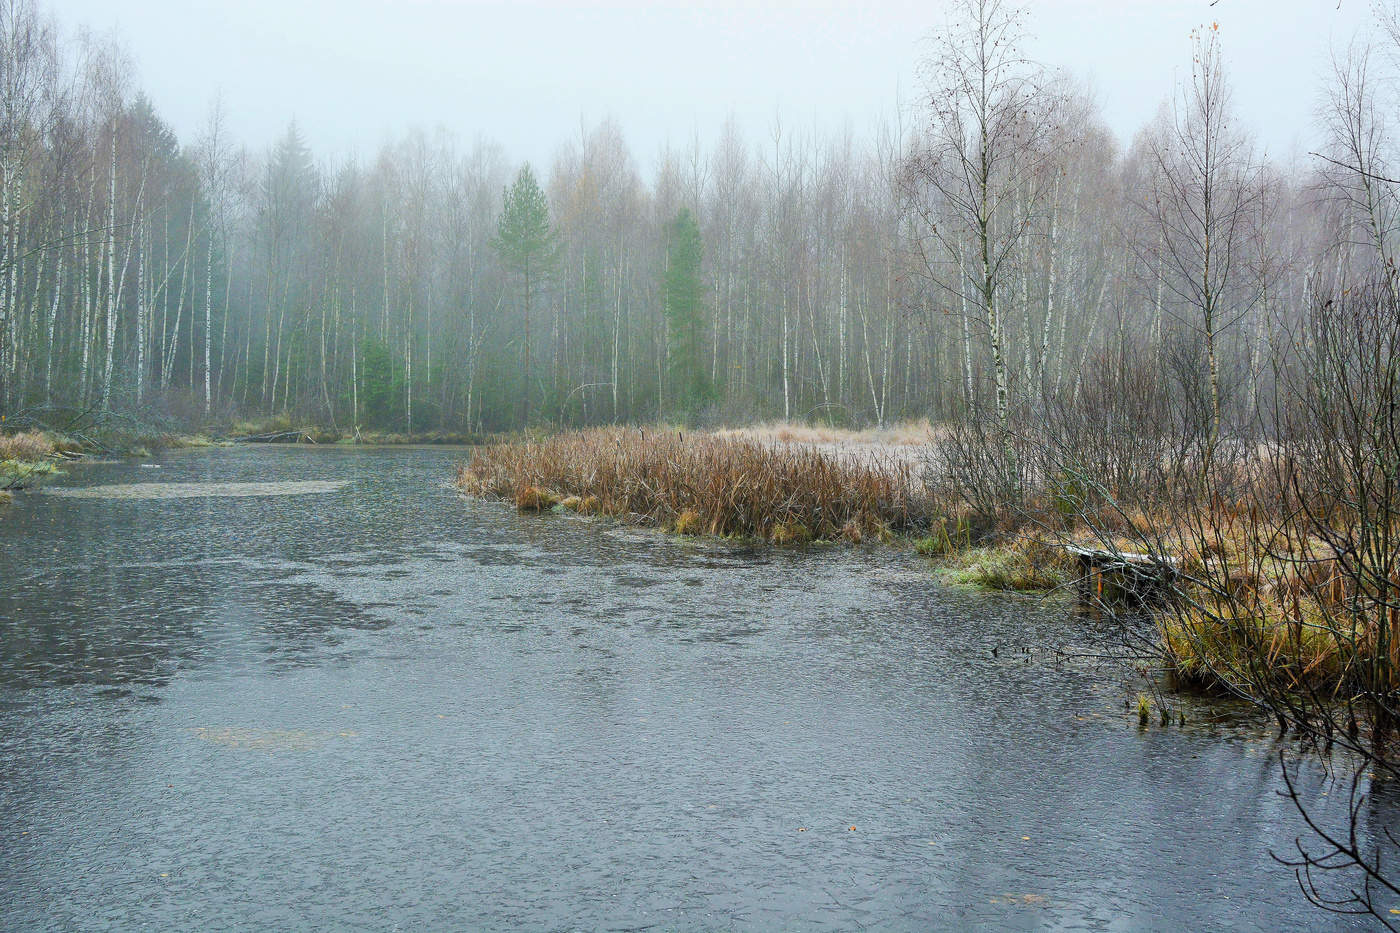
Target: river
{"type": "Point", "coordinates": [315, 688]}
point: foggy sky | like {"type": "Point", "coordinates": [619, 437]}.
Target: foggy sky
{"type": "Point", "coordinates": [526, 73]}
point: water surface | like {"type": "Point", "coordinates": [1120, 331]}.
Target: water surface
{"type": "Point", "coordinates": [369, 703]}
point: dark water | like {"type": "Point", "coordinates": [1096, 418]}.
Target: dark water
{"type": "Point", "coordinates": [386, 707]}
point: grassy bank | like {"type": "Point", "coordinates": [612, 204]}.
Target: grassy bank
{"type": "Point", "coordinates": [704, 484]}
{"type": "Point", "coordinates": [25, 458]}
{"type": "Point", "coordinates": [1251, 602]}
{"type": "Point", "coordinates": [1264, 606]}
{"type": "Point", "coordinates": [28, 456]}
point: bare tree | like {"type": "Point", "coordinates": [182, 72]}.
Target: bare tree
{"type": "Point", "coordinates": [973, 177]}
{"type": "Point", "coordinates": [1204, 188]}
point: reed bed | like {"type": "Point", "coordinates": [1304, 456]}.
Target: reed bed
{"type": "Point", "coordinates": [26, 447]}
{"type": "Point", "coordinates": [703, 484]}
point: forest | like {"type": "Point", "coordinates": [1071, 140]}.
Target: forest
{"type": "Point", "coordinates": [1161, 372]}
{"type": "Point", "coordinates": [984, 251]}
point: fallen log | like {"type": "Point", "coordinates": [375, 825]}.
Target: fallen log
{"type": "Point", "coordinates": [276, 437]}
{"type": "Point", "coordinates": [1112, 560]}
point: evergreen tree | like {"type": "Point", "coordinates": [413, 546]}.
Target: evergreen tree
{"type": "Point", "coordinates": [684, 298]}
{"type": "Point", "coordinates": [377, 390]}
{"type": "Point", "coordinates": [529, 249]}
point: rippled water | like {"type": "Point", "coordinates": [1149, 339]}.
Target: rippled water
{"type": "Point", "coordinates": [368, 703]}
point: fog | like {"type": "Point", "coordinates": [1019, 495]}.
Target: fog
{"type": "Point", "coordinates": [355, 72]}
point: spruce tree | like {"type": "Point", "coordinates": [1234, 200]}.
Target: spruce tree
{"type": "Point", "coordinates": [528, 248]}
{"type": "Point", "coordinates": [684, 298]}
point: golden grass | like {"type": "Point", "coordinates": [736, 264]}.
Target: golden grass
{"type": "Point", "coordinates": [529, 498]}
{"type": "Point", "coordinates": [718, 485]}
{"type": "Point", "coordinates": [26, 447]}
{"type": "Point", "coordinates": [1215, 644]}
{"type": "Point", "coordinates": [1261, 605]}
{"type": "Point", "coordinates": [25, 457]}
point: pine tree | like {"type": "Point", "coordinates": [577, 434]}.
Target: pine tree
{"type": "Point", "coordinates": [529, 249]}
{"type": "Point", "coordinates": [684, 297]}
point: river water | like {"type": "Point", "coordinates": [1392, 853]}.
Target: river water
{"type": "Point", "coordinates": [291, 688]}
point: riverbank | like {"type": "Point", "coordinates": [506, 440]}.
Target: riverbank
{"type": "Point", "coordinates": [783, 484]}
{"type": "Point", "coordinates": [30, 456]}
{"type": "Point", "coordinates": [285, 430]}
{"type": "Point", "coordinates": [24, 458]}
{"type": "Point", "coordinates": [1236, 608]}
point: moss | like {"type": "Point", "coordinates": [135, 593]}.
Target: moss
{"type": "Point", "coordinates": [535, 499]}
{"type": "Point", "coordinates": [790, 533]}
{"type": "Point", "coordinates": [1019, 565]}
{"type": "Point", "coordinates": [192, 441]}
{"type": "Point", "coordinates": [1144, 709]}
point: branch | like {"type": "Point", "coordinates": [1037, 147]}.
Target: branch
{"type": "Point", "coordinates": [1357, 169]}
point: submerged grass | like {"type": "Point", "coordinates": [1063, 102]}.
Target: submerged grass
{"type": "Point", "coordinates": [703, 484]}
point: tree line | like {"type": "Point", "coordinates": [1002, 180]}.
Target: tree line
{"type": "Point", "coordinates": [981, 253]}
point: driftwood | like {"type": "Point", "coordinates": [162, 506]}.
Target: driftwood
{"type": "Point", "coordinates": [276, 437]}
{"type": "Point", "coordinates": [1132, 575]}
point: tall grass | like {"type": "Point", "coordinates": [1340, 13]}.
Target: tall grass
{"type": "Point", "coordinates": [703, 484]}
{"type": "Point", "coordinates": [26, 447]}
{"type": "Point", "coordinates": [24, 457]}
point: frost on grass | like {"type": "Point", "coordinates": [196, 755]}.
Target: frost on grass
{"type": "Point", "coordinates": [197, 490]}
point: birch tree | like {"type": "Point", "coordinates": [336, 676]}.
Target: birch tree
{"type": "Point", "coordinates": [987, 136]}
{"type": "Point", "coordinates": [1204, 188]}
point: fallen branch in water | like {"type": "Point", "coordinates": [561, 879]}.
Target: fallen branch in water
{"type": "Point", "coordinates": [276, 437]}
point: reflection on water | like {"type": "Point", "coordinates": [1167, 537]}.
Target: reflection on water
{"type": "Point", "coordinates": [383, 706]}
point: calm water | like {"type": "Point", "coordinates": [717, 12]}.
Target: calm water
{"type": "Point", "coordinates": [371, 704]}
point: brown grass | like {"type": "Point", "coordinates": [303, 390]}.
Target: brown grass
{"type": "Point", "coordinates": [26, 447]}
{"type": "Point", "coordinates": [1259, 603]}
{"type": "Point", "coordinates": [702, 484]}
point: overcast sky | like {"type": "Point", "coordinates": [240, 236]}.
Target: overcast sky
{"type": "Point", "coordinates": [527, 72]}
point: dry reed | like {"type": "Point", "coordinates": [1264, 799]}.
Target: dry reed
{"type": "Point", "coordinates": [702, 484]}
{"type": "Point", "coordinates": [26, 447]}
